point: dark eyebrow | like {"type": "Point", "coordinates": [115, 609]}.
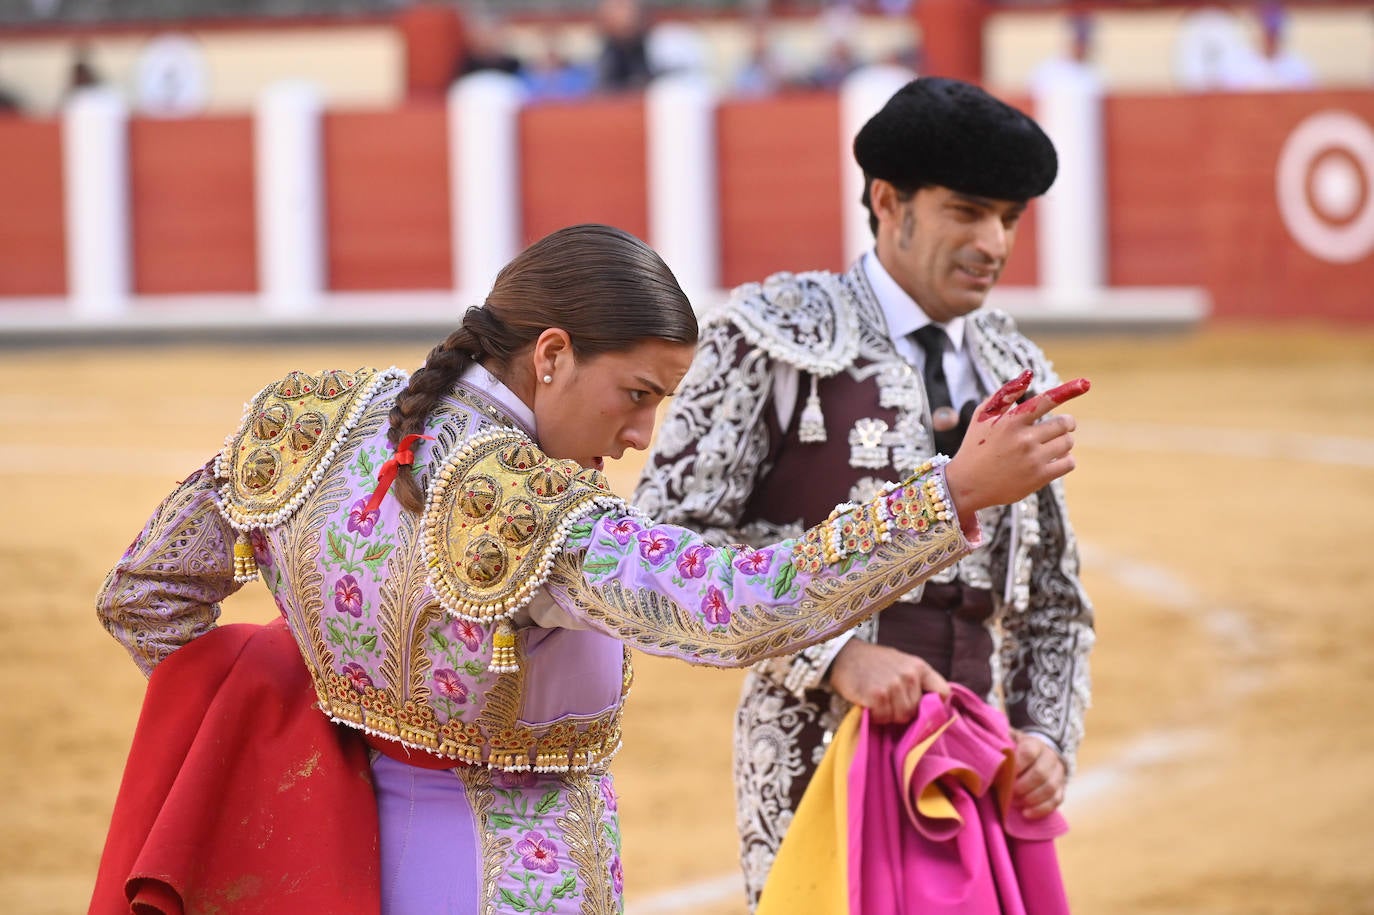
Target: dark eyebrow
{"type": "Point", "coordinates": [988, 203]}
{"type": "Point", "coordinates": [657, 389]}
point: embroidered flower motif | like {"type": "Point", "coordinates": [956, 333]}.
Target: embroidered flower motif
{"type": "Point", "coordinates": [467, 632]}
{"type": "Point", "coordinates": [653, 545]}
{"type": "Point", "coordinates": [624, 529]}
{"type": "Point", "coordinates": [362, 520]}
{"type": "Point", "coordinates": [258, 540]}
{"type": "Point", "coordinates": [713, 605]}
{"type": "Point", "coordinates": [608, 795]}
{"type": "Point", "coordinates": [617, 875]}
{"type": "Point", "coordinates": [448, 685]}
{"type": "Point", "coordinates": [754, 562]}
{"type": "Point", "coordinates": [537, 853]}
{"type": "Point", "coordinates": [503, 779]}
{"type": "Point", "coordinates": [692, 562]}
{"type": "Point", "coordinates": [348, 596]}
{"type": "Point", "coordinates": [357, 677]}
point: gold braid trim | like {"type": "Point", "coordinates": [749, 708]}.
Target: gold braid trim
{"type": "Point", "coordinates": [591, 844]}
{"type": "Point", "coordinates": [494, 847]}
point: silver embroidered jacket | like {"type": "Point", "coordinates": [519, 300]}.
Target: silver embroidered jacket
{"type": "Point", "coordinates": [714, 454]}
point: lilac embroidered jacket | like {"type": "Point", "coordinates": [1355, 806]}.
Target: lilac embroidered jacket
{"type": "Point", "coordinates": [396, 615]}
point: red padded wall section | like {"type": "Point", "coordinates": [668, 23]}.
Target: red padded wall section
{"type": "Point", "coordinates": [778, 164]}
{"type": "Point", "coordinates": [1021, 269]}
{"type": "Point", "coordinates": [191, 205]}
{"type": "Point", "coordinates": [33, 258]}
{"type": "Point", "coordinates": [584, 162]}
{"type": "Point", "coordinates": [386, 204]}
{"type": "Point", "coordinates": [1193, 200]}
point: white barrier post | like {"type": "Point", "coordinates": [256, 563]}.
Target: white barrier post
{"type": "Point", "coordinates": [290, 199]}
{"type": "Point", "coordinates": [484, 178]}
{"type": "Point", "coordinates": [1072, 216]}
{"type": "Point", "coordinates": [684, 225]}
{"type": "Point", "coordinates": [862, 94]}
{"type": "Point", "coordinates": [95, 174]}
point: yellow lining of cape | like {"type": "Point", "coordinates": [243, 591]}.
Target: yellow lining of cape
{"type": "Point", "coordinates": [810, 875]}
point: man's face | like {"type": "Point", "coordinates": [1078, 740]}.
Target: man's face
{"type": "Point", "coordinates": [944, 248]}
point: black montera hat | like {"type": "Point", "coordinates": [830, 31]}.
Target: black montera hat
{"type": "Point", "coordinates": [946, 132]}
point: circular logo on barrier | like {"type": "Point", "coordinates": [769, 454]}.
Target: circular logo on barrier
{"type": "Point", "coordinates": [1326, 186]}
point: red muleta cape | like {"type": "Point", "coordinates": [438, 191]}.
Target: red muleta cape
{"type": "Point", "coordinates": [238, 794]}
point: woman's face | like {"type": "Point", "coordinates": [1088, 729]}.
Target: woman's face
{"type": "Point", "coordinates": [596, 407]}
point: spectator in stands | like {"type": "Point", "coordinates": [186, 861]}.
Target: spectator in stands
{"type": "Point", "coordinates": [1077, 64]}
{"type": "Point", "coordinates": [910, 56]}
{"type": "Point", "coordinates": [677, 48]}
{"type": "Point", "coordinates": [485, 49]}
{"type": "Point", "coordinates": [551, 75]}
{"type": "Point", "coordinates": [837, 23]}
{"type": "Point", "coordinates": [83, 73]}
{"type": "Point", "coordinates": [9, 102]}
{"type": "Point", "coordinates": [760, 74]}
{"type": "Point", "coordinates": [1275, 66]}
{"type": "Point", "coordinates": [624, 60]}
{"type": "Point", "coordinates": [839, 62]}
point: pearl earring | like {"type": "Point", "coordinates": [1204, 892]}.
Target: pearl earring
{"type": "Point", "coordinates": [548, 379]}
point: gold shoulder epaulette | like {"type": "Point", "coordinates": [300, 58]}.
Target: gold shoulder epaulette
{"type": "Point", "coordinates": [498, 513]}
{"type": "Point", "coordinates": [289, 435]}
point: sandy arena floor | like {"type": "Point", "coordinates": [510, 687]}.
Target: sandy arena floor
{"type": "Point", "coordinates": [1225, 503]}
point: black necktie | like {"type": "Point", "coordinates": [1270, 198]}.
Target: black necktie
{"type": "Point", "coordinates": [931, 338]}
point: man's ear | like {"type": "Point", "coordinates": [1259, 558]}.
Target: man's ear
{"type": "Point", "coordinates": [883, 199]}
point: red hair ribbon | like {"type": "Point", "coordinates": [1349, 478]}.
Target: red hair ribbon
{"type": "Point", "coordinates": [403, 457]}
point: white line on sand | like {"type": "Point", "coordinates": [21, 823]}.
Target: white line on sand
{"type": "Point", "coordinates": [53, 459]}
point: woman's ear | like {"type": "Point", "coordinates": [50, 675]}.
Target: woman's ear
{"type": "Point", "coordinates": [552, 352]}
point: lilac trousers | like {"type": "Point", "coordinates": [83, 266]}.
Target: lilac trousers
{"type": "Point", "coordinates": [430, 850]}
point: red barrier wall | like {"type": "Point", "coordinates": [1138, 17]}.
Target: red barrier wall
{"type": "Point", "coordinates": [583, 162]}
{"type": "Point", "coordinates": [1153, 193]}
{"type": "Point", "coordinates": [33, 245]}
{"type": "Point", "coordinates": [386, 209]}
{"type": "Point", "coordinates": [1022, 268]}
{"type": "Point", "coordinates": [192, 210]}
{"type": "Point", "coordinates": [778, 170]}
{"type": "Point", "coordinates": [1191, 196]}
{"type": "Point", "coordinates": [1192, 199]}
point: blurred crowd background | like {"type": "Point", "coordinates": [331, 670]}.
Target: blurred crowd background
{"type": "Point", "coordinates": [195, 56]}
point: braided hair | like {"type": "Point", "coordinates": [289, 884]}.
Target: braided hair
{"type": "Point", "coordinates": [605, 287]}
